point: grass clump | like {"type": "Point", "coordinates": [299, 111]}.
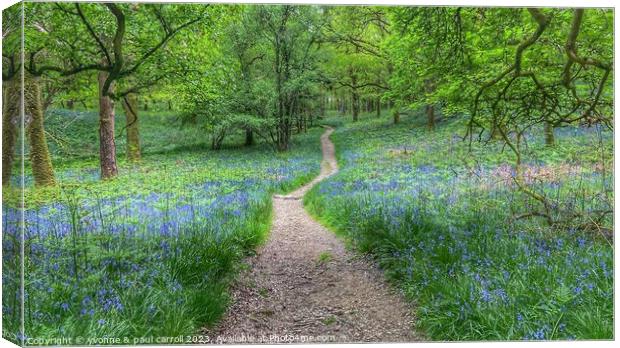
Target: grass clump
{"type": "Point", "coordinates": [324, 257]}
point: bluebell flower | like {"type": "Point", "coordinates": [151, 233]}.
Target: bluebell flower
{"type": "Point", "coordinates": [581, 242]}
{"type": "Point", "coordinates": [485, 295]}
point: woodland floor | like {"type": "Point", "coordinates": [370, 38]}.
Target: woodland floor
{"type": "Point", "coordinates": [305, 286]}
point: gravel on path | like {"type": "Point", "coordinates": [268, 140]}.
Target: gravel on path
{"type": "Point", "coordinates": [304, 286]}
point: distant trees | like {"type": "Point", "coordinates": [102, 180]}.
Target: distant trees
{"type": "Point", "coordinates": [359, 63]}
{"type": "Point", "coordinates": [293, 33]}
{"type": "Point", "coordinates": [130, 107]}
{"type": "Point", "coordinates": [260, 76]}
{"type": "Point", "coordinates": [221, 89]}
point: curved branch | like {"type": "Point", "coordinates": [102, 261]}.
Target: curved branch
{"type": "Point", "coordinates": [92, 33]}
{"type": "Point", "coordinates": [117, 46]}
{"type": "Point", "coordinates": [543, 22]}
{"type": "Point", "coordinates": [169, 33]}
{"type": "Point", "coordinates": [542, 25]}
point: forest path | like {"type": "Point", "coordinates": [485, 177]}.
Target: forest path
{"type": "Point", "coordinates": [304, 286]}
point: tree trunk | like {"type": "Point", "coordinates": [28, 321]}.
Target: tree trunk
{"type": "Point", "coordinates": [10, 121]}
{"type": "Point", "coordinates": [495, 132]}
{"type": "Point", "coordinates": [146, 105]}
{"type": "Point", "coordinates": [169, 105]}
{"type": "Point", "coordinates": [355, 98]}
{"type": "Point", "coordinates": [429, 87]}
{"type": "Point", "coordinates": [283, 137]}
{"type": "Point", "coordinates": [42, 169]}
{"type": "Point", "coordinates": [378, 104]}
{"type": "Point", "coordinates": [549, 136]}
{"type": "Point", "coordinates": [249, 137]}
{"type": "Point", "coordinates": [396, 115]}
{"type": "Point", "coordinates": [308, 115]}
{"type": "Point", "coordinates": [217, 139]}
{"type": "Point", "coordinates": [107, 146]}
{"type": "Point", "coordinates": [355, 105]}
{"type": "Point", "coordinates": [430, 116]}
{"type": "Point", "coordinates": [130, 105]}
{"type": "Point", "coordinates": [70, 104]}
{"type": "Point", "coordinates": [284, 132]}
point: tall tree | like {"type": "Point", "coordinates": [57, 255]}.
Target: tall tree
{"type": "Point", "coordinates": [293, 33]}
{"type": "Point", "coordinates": [11, 87]}
{"type": "Point", "coordinates": [119, 41]}
{"type": "Point", "coordinates": [23, 87]}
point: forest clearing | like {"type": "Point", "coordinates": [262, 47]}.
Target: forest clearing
{"type": "Point", "coordinates": [235, 173]}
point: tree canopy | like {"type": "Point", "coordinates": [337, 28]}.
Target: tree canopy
{"type": "Point", "coordinates": [271, 70]}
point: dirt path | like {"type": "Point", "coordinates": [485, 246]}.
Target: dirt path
{"type": "Point", "coordinates": [304, 286]}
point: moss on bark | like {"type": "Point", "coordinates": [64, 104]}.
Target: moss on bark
{"type": "Point", "coordinates": [10, 119]}
{"type": "Point", "coordinates": [41, 163]}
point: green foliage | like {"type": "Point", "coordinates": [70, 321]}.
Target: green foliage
{"type": "Point", "coordinates": [449, 55]}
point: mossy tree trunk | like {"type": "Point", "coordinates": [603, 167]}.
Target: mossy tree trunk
{"type": "Point", "coordinates": [107, 145]}
{"type": "Point", "coordinates": [396, 115]}
{"type": "Point", "coordinates": [42, 169]}
{"type": "Point", "coordinates": [355, 98]}
{"type": "Point", "coordinates": [429, 88]}
{"type": "Point", "coordinates": [249, 137]}
{"type": "Point", "coordinates": [130, 106]}
{"type": "Point", "coordinates": [495, 131]}
{"type": "Point", "coordinates": [430, 116]}
{"type": "Point", "coordinates": [10, 119]}
{"type": "Point", "coordinates": [549, 136]}
{"type": "Point", "coordinates": [355, 106]}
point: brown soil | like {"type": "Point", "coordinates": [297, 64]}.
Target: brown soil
{"type": "Point", "coordinates": [304, 286]}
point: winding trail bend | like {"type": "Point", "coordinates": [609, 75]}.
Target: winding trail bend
{"type": "Point", "coordinates": [304, 286]}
